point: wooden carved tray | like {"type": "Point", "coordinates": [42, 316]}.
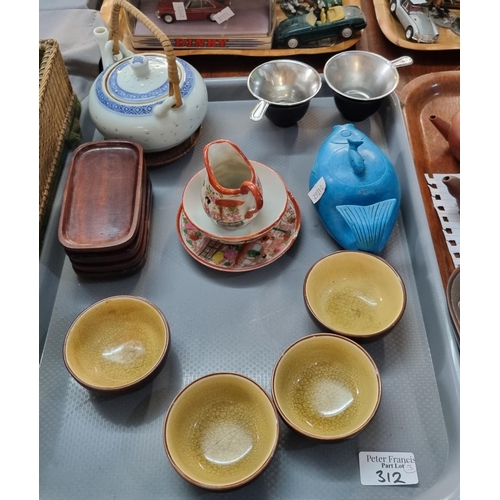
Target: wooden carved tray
{"type": "Point", "coordinates": [394, 32]}
{"type": "Point", "coordinates": [433, 94]}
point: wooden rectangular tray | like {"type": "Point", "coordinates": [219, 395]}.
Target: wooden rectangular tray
{"type": "Point", "coordinates": [102, 200]}
{"type": "Point", "coordinates": [433, 94]}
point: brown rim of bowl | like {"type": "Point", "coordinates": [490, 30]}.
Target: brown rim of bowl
{"type": "Point", "coordinates": [355, 336]}
{"type": "Point", "coordinates": [340, 437]}
{"type": "Point", "coordinates": [230, 486]}
{"type": "Point", "coordinates": [132, 385]}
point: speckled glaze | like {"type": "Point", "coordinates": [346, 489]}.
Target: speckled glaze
{"type": "Point", "coordinates": [360, 204]}
{"type": "Point", "coordinates": [221, 431]}
{"type": "Point", "coordinates": [326, 387]}
{"type": "Point", "coordinates": [117, 344]}
{"type": "Point", "coordinates": [355, 294]}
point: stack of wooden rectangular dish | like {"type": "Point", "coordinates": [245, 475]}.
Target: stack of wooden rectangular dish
{"type": "Point", "coordinates": [106, 209]}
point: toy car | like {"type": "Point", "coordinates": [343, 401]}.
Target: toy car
{"type": "Point", "coordinates": [299, 31]}
{"type": "Point", "coordinates": [414, 17]}
{"type": "Point", "coordinates": [299, 7]}
{"type": "Point", "coordinates": [196, 10]}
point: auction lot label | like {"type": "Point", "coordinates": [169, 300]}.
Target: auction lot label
{"type": "Point", "coordinates": [378, 468]}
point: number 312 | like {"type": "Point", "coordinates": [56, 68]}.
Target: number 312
{"type": "Point", "coordinates": [396, 477]}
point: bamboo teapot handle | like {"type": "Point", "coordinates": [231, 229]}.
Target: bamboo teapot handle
{"type": "Point", "coordinates": [173, 73]}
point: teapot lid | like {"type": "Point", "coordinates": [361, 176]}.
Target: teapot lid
{"type": "Point", "coordinates": [143, 78]}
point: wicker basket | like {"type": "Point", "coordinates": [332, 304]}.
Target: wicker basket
{"type": "Point", "coordinates": [59, 128]}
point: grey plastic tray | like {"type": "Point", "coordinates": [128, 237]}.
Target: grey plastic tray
{"type": "Point", "coordinates": [95, 447]}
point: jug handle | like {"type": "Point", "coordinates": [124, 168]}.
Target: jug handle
{"type": "Point", "coordinates": [259, 201]}
{"type": "Point", "coordinates": [173, 72]}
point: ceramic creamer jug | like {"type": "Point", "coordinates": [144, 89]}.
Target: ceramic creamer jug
{"type": "Point", "coordinates": [154, 99]}
{"type": "Point", "coordinates": [360, 202]}
{"type": "Point", "coordinates": [231, 193]}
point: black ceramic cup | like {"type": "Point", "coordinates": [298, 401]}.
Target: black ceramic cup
{"type": "Point", "coordinates": [360, 80]}
{"type": "Point", "coordinates": [286, 116]}
{"type": "Point", "coordinates": [355, 110]}
{"type": "Point", "coordinates": [284, 89]}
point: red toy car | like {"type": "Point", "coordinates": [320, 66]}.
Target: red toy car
{"type": "Point", "coordinates": [196, 10]}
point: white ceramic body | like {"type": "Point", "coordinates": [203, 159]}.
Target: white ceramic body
{"type": "Point", "coordinates": [274, 192]}
{"type": "Point", "coordinates": [231, 193]}
{"type": "Point", "coordinates": [138, 122]}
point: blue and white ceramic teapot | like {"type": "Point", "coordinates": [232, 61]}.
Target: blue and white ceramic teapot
{"type": "Point", "coordinates": [154, 99]}
{"type": "Point", "coordinates": [360, 202]}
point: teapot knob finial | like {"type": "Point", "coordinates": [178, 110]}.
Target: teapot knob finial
{"type": "Point", "coordinates": [140, 66]}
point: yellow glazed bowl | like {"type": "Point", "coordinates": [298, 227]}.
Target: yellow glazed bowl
{"type": "Point", "coordinates": [117, 344]}
{"type": "Point", "coordinates": [326, 387]}
{"type": "Point", "coordinates": [355, 294]}
{"type": "Point", "coordinates": [221, 431]}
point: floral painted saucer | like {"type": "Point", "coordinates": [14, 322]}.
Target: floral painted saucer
{"type": "Point", "coordinates": [238, 257]}
{"type": "Point", "coordinates": [275, 202]}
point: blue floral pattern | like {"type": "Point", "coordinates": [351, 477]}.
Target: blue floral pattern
{"type": "Point", "coordinates": [136, 109]}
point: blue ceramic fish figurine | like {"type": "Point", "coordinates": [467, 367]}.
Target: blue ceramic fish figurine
{"type": "Point", "coordinates": [360, 204]}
